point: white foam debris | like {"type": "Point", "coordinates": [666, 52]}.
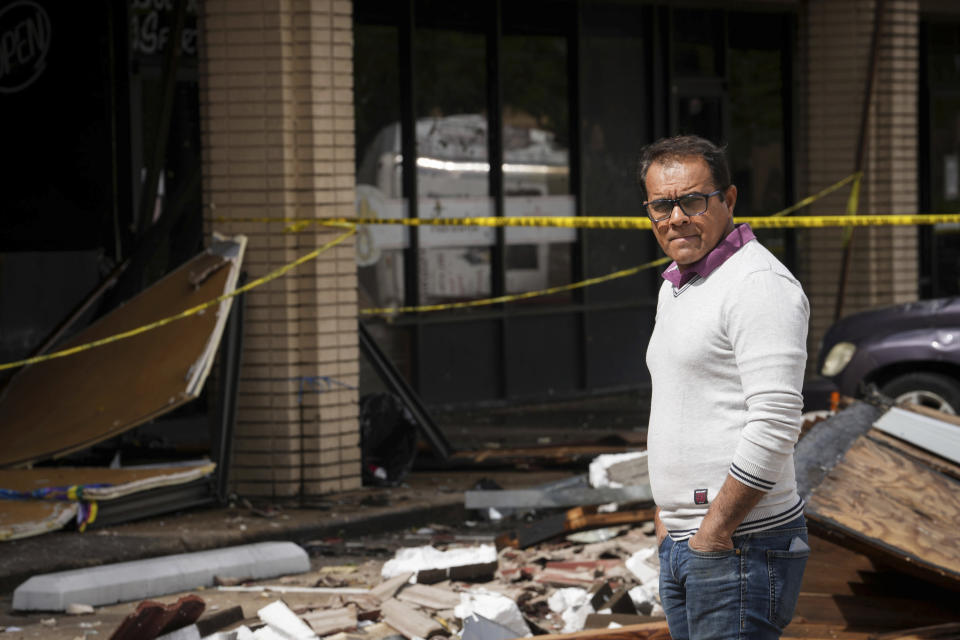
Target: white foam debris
{"type": "Point", "coordinates": [646, 598]}
{"type": "Point", "coordinates": [413, 559]}
{"type": "Point", "coordinates": [288, 624]}
{"type": "Point", "coordinates": [492, 606]}
{"type": "Point", "coordinates": [644, 564]}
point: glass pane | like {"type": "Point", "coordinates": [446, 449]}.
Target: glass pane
{"type": "Point", "coordinates": [700, 115]}
{"type": "Point", "coordinates": [945, 191]}
{"type": "Point", "coordinates": [697, 42]}
{"type": "Point", "coordinates": [378, 160]}
{"type": "Point", "coordinates": [536, 163]}
{"type": "Point", "coordinates": [613, 127]}
{"type": "Point", "coordinates": [944, 51]}
{"type": "Point", "coordinates": [756, 142]}
{"type": "Point", "coordinates": [452, 168]}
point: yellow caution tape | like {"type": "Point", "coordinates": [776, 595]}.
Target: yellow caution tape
{"type": "Point", "coordinates": [273, 275]}
{"type": "Point", "coordinates": [855, 177]}
{"type": "Point", "coordinates": [623, 222]}
{"type": "Point", "coordinates": [516, 296]}
{"type": "Point", "coordinates": [777, 220]}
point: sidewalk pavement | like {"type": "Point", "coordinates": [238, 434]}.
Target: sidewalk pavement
{"type": "Point", "coordinates": [426, 497]}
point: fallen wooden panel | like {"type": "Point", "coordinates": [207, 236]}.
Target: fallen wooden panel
{"type": "Point", "coordinates": [879, 499]}
{"type": "Point", "coordinates": [63, 405]}
{"type": "Point", "coordinates": [47, 498]}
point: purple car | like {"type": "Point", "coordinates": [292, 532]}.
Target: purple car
{"type": "Point", "coordinates": [911, 352]}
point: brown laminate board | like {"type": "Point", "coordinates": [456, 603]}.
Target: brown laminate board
{"type": "Point", "coordinates": [59, 406]}
{"type": "Point", "coordinates": [25, 518]}
{"type": "Point", "coordinates": [893, 504]}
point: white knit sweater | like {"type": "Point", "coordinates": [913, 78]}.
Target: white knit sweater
{"type": "Point", "coordinates": [726, 359]}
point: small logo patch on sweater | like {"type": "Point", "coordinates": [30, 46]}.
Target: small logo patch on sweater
{"type": "Point", "coordinates": [700, 496]}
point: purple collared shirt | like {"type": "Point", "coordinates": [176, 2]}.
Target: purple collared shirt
{"type": "Point", "coordinates": [741, 235]}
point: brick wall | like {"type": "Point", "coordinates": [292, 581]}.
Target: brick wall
{"type": "Point", "coordinates": [277, 126]}
{"type": "Point", "coordinates": [835, 41]}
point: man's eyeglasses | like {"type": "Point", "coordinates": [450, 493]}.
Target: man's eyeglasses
{"type": "Point", "coordinates": [692, 204]}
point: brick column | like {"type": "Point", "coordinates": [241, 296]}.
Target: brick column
{"type": "Point", "coordinates": [277, 125]}
{"type": "Point", "coordinates": [836, 43]}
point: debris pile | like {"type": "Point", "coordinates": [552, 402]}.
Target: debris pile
{"type": "Point", "coordinates": [476, 592]}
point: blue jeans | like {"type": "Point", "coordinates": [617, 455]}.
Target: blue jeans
{"type": "Point", "coordinates": [746, 593]}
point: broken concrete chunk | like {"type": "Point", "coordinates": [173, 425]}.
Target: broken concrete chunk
{"type": "Point", "coordinates": [285, 622]}
{"type": "Point", "coordinates": [493, 606]}
{"type": "Point", "coordinates": [136, 580]}
{"type": "Point", "coordinates": [432, 565]}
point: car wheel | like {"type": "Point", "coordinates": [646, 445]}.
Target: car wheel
{"type": "Point", "coordinates": [931, 390]}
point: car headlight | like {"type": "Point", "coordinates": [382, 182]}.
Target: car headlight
{"type": "Point", "coordinates": [838, 358]}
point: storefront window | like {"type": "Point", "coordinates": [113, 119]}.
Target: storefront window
{"type": "Point", "coordinates": [536, 162]}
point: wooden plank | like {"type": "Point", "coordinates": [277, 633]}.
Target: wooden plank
{"type": "Point", "coordinates": [328, 621]}
{"type": "Point", "coordinates": [576, 519]}
{"type": "Point", "coordinates": [428, 597]}
{"type": "Point", "coordinates": [541, 499]}
{"type": "Point", "coordinates": [948, 631]}
{"type": "Point", "coordinates": [408, 621]}
{"type": "Point", "coordinates": [67, 404]}
{"type": "Point", "coordinates": [895, 506]}
{"type": "Point", "coordinates": [388, 588]}
{"type": "Point", "coordinates": [932, 434]}
{"type": "Point", "coordinates": [643, 631]}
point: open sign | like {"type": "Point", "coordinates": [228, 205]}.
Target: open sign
{"type": "Point", "coordinates": [24, 43]}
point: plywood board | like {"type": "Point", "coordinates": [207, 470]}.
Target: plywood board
{"type": "Point", "coordinates": [60, 406]}
{"type": "Point", "coordinates": [893, 504]}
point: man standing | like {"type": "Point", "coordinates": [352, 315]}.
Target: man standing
{"type": "Point", "coordinates": [726, 360]}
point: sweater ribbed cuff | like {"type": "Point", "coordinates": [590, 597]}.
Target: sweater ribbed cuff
{"type": "Point", "coordinates": [750, 477]}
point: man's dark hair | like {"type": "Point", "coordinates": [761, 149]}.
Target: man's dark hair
{"type": "Point", "coordinates": [679, 147]}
